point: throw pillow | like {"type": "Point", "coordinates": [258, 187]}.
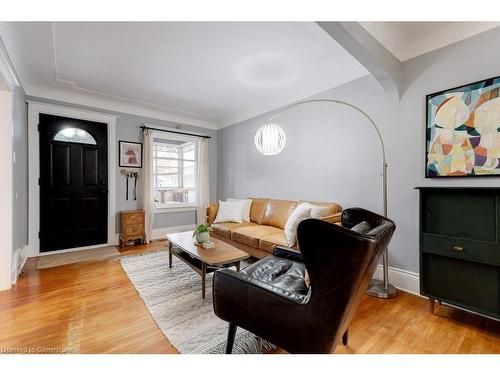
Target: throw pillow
{"type": "Point", "coordinates": [301, 212]}
{"type": "Point", "coordinates": [362, 227]}
{"type": "Point", "coordinates": [246, 211]}
{"type": "Point", "coordinates": [230, 212]}
{"type": "Point", "coordinates": [318, 212]}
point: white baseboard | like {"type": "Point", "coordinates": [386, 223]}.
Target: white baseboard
{"type": "Point", "coordinates": [73, 249]}
{"type": "Point", "coordinates": [19, 258]}
{"type": "Point", "coordinates": [160, 233]}
{"type": "Point", "coordinates": [405, 280]}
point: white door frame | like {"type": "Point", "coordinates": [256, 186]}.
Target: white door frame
{"type": "Point", "coordinates": [8, 80]}
{"type": "Point", "coordinates": [6, 169]}
{"type": "Point", "coordinates": [34, 109]}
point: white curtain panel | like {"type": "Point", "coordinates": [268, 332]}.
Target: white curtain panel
{"type": "Point", "coordinates": [203, 192]}
{"type": "Point", "coordinates": [148, 184]}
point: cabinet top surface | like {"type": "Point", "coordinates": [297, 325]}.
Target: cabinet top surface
{"type": "Point", "coordinates": [132, 212]}
{"type": "Point", "coordinates": [456, 188]}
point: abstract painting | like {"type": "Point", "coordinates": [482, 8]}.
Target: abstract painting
{"type": "Point", "coordinates": [463, 131]}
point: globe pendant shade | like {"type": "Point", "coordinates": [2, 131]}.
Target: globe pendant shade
{"type": "Point", "coordinates": [270, 139]}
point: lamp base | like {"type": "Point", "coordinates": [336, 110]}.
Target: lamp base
{"type": "Point", "coordinates": [376, 289]}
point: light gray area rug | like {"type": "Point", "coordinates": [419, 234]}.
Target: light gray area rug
{"type": "Point", "coordinates": [173, 297]}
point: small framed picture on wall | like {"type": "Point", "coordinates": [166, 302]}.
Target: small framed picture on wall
{"type": "Point", "coordinates": [130, 154]}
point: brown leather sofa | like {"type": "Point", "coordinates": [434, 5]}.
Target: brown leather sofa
{"type": "Point", "coordinates": [265, 230]}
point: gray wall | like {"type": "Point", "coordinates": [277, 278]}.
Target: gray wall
{"type": "Point", "coordinates": [464, 62]}
{"type": "Point", "coordinates": [127, 129]}
{"type": "Point", "coordinates": [20, 173]}
{"type": "Point", "coordinates": [332, 154]}
{"type": "Point", "coordinates": [328, 148]}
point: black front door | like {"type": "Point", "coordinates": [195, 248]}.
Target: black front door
{"type": "Point", "coordinates": [73, 183]}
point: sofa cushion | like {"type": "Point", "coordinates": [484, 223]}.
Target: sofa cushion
{"type": "Point", "coordinates": [301, 212]}
{"type": "Point", "coordinates": [318, 211]}
{"type": "Point", "coordinates": [230, 212]}
{"type": "Point", "coordinates": [277, 212]}
{"type": "Point", "coordinates": [258, 209]}
{"type": "Point", "coordinates": [225, 229]}
{"type": "Point", "coordinates": [250, 235]}
{"type": "Point", "coordinates": [212, 212]}
{"type": "Point", "coordinates": [270, 241]}
{"type": "Point", "coordinates": [333, 208]}
{"type": "Point", "coordinates": [246, 212]}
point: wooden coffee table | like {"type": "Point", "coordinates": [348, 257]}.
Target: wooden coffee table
{"type": "Point", "coordinates": [202, 260]}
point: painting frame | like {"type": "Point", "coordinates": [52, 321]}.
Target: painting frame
{"type": "Point", "coordinates": [428, 128]}
{"type": "Point", "coordinates": [135, 147]}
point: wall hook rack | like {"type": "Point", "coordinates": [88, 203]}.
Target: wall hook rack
{"type": "Point", "coordinates": [130, 174]}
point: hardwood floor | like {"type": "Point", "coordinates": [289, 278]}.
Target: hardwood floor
{"type": "Point", "coordinates": [92, 307]}
{"type": "Point", "coordinates": [88, 307]}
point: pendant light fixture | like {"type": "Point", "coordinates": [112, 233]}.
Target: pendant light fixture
{"type": "Point", "coordinates": [270, 139]}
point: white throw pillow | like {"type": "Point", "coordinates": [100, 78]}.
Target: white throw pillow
{"type": "Point", "coordinates": [301, 212]}
{"type": "Point", "coordinates": [246, 211]}
{"type": "Point", "coordinates": [230, 212]}
{"type": "Point", "coordinates": [318, 211]}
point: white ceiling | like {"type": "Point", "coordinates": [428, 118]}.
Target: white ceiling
{"type": "Point", "coordinates": [211, 74]}
{"type": "Point", "coordinates": [406, 40]}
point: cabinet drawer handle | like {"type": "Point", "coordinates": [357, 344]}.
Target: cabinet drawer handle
{"type": "Point", "coordinates": [458, 248]}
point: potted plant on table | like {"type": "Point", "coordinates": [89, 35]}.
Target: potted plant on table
{"type": "Point", "coordinates": [202, 233]}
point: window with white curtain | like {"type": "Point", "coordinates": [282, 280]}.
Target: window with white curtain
{"type": "Point", "coordinates": [174, 171]}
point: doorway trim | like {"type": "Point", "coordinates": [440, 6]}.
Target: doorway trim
{"type": "Point", "coordinates": [34, 109]}
{"type": "Point", "coordinates": [8, 82]}
{"type": "Point", "coordinates": [6, 186]}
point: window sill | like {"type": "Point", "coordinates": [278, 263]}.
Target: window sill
{"type": "Point", "coordinates": [162, 210]}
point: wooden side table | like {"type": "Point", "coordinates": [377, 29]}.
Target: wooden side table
{"type": "Point", "coordinates": [132, 225]}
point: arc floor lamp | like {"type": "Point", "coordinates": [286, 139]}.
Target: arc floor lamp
{"type": "Point", "coordinates": [270, 139]}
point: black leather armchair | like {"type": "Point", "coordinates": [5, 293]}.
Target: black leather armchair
{"type": "Point", "coordinates": [271, 299]}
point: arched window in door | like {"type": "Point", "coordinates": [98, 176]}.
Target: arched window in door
{"type": "Point", "coordinates": [75, 135]}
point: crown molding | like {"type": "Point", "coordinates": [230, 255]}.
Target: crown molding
{"type": "Point", "coordinates": [7, 69]}
{"type": "Point", "coordinates": [112, 104]}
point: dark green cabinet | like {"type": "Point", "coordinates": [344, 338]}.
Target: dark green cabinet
{"type": "Point", "coordinates": [460, 247]}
